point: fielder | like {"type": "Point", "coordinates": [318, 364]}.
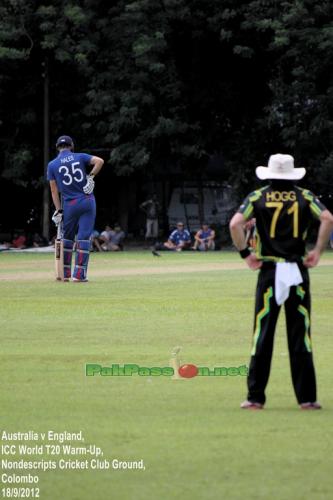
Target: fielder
{"type": "Point", "coordinates": [68, 178]}
{"type": "Point", "coordinates": [283, 212]}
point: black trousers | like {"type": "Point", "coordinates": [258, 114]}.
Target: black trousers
{"type": "Point", "coordinates": [297, 308]}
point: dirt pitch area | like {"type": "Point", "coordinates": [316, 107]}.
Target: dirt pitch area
{"type": "Point", "coordinates": [35, 269]}
{"type": "Point", "coordinates": [110, 271]}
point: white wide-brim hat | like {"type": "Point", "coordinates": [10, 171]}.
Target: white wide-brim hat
{"type": "Point", "coordinates": [280, 167]}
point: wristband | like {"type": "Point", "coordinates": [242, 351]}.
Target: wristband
{"type": "Point", "coordinates": [245, 252]}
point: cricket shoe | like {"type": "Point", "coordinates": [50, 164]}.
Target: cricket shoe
{"type": "Point", "coordinates": [311, 406]}
{"type": "Point", "coordinates": [76, 280]}
{"type": "Point", "coordinates": [251, 405]}
{"type": "Point", "coordinates": [154, 252]}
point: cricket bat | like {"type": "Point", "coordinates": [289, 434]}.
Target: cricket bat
{"type": "Point", "coordinates": [59, 255]}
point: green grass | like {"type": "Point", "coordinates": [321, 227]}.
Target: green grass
{"type": "Point", "coordinates": [195, 441]}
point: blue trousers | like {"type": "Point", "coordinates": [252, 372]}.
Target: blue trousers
{"type": "Point", "coordinates": [79, 217]}
{"type": "Point", "coordinates": [79, 220]}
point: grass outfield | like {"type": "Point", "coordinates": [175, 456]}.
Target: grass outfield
{"type": "Point", "coordinates": [195, 441]}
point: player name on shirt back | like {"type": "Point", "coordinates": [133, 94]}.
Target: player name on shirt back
{"type": "Point", "coordinates": [67, 159]}
{"type": "Point", "coordinates": [281, 196]}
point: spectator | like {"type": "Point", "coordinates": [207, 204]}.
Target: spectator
{"type": "Point", "coordinates": [204, 238]}
{"type": "Point", "coordinates": [151, 208]}
{"type": "Point", "coordinates": [95, 244]}
{"type": "Point", "coordinates": [179, 239]}
{"type": "Point", "coordinates": [19, 241]}
{"type": "Point", "coordinates": [103, 238]}
{"type": "Point", "coordinates": [112, 239]}
{"type": "Point", "coordinates": [38, 241]}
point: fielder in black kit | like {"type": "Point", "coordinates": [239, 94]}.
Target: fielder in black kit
{"type": "Point", "coordinates": [283, 213]}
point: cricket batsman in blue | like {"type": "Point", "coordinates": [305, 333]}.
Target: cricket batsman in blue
{"type": "Point", "coordinates": [69, 180]}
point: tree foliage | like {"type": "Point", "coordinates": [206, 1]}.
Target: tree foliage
{"type": "Point", "coordinates": [159, 83]}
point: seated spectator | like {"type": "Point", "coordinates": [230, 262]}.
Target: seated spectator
{"type": "Point", "coordinates": [179, 239]}
{"type": "Point", "coordinates": [100, 239]}
{"type": "Point", "coordinates": [19, 241]}
{"type": "Point", "coordinates": [204, 238]}
{"type": "Point", "coordinates": [38, 241]}
{"type": "Point", "coordinates": [116, 238]}
{"type": "Point", "coordinates": [112, 239]}
{"type": "Point", "coordinates": [104, 236]}
{"type": "Point", "coordinates": [95, 244]}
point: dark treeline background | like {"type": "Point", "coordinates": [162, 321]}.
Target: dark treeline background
{"type": "Point", "coordinates": [159, 88]}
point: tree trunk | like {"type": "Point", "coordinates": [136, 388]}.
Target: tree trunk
{"type": "Point", "coordinates": [46, 191]}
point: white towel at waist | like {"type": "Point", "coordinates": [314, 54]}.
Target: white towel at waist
{"type": "Point", "coordinates": [287, 274]}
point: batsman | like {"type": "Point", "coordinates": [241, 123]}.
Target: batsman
{"type": "Point", "coordinates": [283, 212]}
{"type": "Point", "coordinates": [69, 182]}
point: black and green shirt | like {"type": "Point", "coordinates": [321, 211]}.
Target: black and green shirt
{"type": "Point", "coordinates": [283, 214]}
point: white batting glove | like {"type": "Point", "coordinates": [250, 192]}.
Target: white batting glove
{"type": "Point", "coordinates": [89, 187]}
{"type": "Point", "coordinates": [57, 216]}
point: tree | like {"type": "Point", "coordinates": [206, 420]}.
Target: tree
{"type": "Point", "coordinates": [299, 113]}
{"type": "Point", "coordinates": [36, 40]}
{"type": "Point", "coordinates": [162, 83]}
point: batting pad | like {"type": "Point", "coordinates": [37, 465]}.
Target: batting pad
{"type": "Point", "coordinates": [68, 251]}
{"type": "Point", "coordinates": [81, 259]}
